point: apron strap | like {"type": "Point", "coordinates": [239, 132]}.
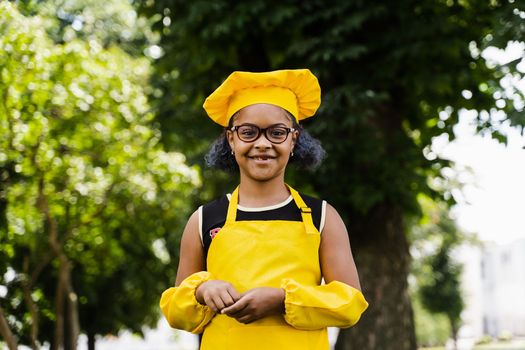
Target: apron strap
{"type": "Point", "coordinates": [232, 207]}
{"type": "Point", "coordinates": [306, 212]}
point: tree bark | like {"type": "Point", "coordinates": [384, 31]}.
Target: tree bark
{"type": "Point", "coordinates": [54, 244]}
{"type": "Point", "coordinates": [31, 305]}
{"type": "Point", "coordinates": [73, 324]}
{"type": "Point", "coordinates": [65, 297]}
{"type": "Point", "coordinates": [58, 338]}
{"type": "Point", "coordinates": [91, 341]}
{"type": "Point", "coordinates": [66, 333]}
{"type": "Point", "coordinates": [383, 260]}
{"type": "Point", "coordinates": [33, 311]}
{"type": "Point", "coordinates": [454, 330]}
{"type": "Point", "coordinates": [6, 333]}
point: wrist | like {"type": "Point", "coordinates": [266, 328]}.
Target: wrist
{"type": "Point", "coordinates": [282, 296]}
{"type": "Point", "coordinates": [199, 293]}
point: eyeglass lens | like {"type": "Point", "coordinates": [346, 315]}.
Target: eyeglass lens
{"type": "Point", "coordinates": [275, 134]}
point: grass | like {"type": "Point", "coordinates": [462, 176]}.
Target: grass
{"type": "Point", "coordinates": [500, 346]}
{"type": "Point", "coordinates": [491, 346]}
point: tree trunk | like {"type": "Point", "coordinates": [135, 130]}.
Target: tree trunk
{"type": "Point", "coordinates": [72, 329]}
{"type": "Point", "coordinates": [454, 330]}
{"type": "Point", "coordinates": [33, 311]}
{"type": "Point", "coordinates": [67, 326]}
{"type": "Point", "coordinates": [383, 260]}
{"type": "Point", "coordinates": [58, 338]}
{"type": "Point", "coordinates": [91, 341]}
{"type": "Point", "coordinates": [65, 333]}
{"type": "Point", "coordinates": [6, 333]}
{"type": "Point", "coordinates": [31, 305]}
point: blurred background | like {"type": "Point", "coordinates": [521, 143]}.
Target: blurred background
{"type": "Point", "coordinates": [102, 137]}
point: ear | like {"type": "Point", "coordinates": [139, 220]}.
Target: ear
{"type": "Point", "coordinates": [229, 137]}
{"type": "Point", "coordinates": [295, 136]}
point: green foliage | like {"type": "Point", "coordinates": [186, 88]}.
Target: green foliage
{"type": "Point", "coordinates": [441, 293]}
{"type": "Point", "coordinates": [431, 329]}
{"type": "Point", "coordinates": [392, 76]}
{"type": "Point", "coordinates": [437, 273]}
{"type": "Point", "coordinates": [110, 22]}
{"type": "Point", "coordinates": [81, 164]}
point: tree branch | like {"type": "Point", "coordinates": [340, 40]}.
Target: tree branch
{"type": "Point", "coordinates": [6, 333]}
{"type": "Point", "coordinates": [32, 307]}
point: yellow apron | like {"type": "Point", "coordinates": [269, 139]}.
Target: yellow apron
{"type": "Point", "coordinates": [252, 254]}
{"type": "Point", "coordinates": [280, 254]}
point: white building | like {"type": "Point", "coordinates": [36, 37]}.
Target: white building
{"type": "Point", "coordinates": [471, 285]}
{"type": "Point", "coordinates": [493, 285]}
{"type": "Point", "coordinates": [503, 277]}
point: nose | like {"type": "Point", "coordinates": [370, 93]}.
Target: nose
{"type": "Point", "coordinates": [262, 142]}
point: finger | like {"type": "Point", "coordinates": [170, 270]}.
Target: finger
{"type": "Point", "coordinates": [219, 304]}
{"type": "Point", "coordinates": [247, 311]}
{"type": "Point", "coordinates": [227, 299]}
{"type": "Point", "coordinates": [236, 307]}
{"type": "Point", "coordinates": [210, 303]}
{"type": "Point", "coordinates": [234, 294]}
{"type": "Point", "coordinates": [246, 319]}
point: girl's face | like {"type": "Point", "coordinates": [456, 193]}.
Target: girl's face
{"type": "Point", "coordinates": [262, 160]}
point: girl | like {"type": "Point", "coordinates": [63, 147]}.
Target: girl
{"type": "Point", "coordinates": [251, 264]}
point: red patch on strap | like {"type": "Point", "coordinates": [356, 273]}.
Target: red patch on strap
{"type": "Point", "coordinates": [214, 232]}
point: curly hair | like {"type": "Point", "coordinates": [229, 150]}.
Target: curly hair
{"type": "Point", "coordinates": [308, 152]}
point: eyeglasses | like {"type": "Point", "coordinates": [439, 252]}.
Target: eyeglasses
{"type": "Point", "coordinates": [250, 133]}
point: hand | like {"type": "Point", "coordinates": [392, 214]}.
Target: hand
{"type": "Point", "coordinates": [256, 304]}
{"type": "Point", "coordinates": [216, 294]}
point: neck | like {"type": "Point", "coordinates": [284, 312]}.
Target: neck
{"type": "Point", "coordinates": [262, 193]}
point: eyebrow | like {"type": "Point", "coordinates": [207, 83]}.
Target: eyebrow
{"type": "Point", "coordinates": [269, 126]}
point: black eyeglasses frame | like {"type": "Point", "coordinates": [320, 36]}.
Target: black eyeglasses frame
{"type": "Point", "coordinates": [260, 131]}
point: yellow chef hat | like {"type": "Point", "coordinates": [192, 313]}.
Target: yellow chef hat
{"type": "Point", "coordinates": [295, 90]}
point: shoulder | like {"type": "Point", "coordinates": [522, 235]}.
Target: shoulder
{"type": "Point", "coordinates": [216, 208]}
{"type": "Point", "coordinates": [318, 207]}
{"type": "Point", "coordinates": [332, 213]}
{"type": "Point", "coordinates": [190, 236]}
{"type": "Point", "coordinates": [334, 223]}
{"type": "Point", "coordinates": [310, 200]}
{"type": "Point", "coordinates": [191, 257]}
{"type": "Point", "coordinates": [212, 217]}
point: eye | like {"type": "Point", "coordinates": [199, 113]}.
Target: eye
{"type": "Point", "coordinates": [247, 131]}
{"type": "Point", "coordinates": [277, 132]}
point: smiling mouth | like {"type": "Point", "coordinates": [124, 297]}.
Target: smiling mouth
{"type": "Point", "coordinates": [261, 157]}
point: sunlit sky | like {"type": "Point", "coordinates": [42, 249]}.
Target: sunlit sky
{"type": "Point", "coordinates": [492, 202]}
